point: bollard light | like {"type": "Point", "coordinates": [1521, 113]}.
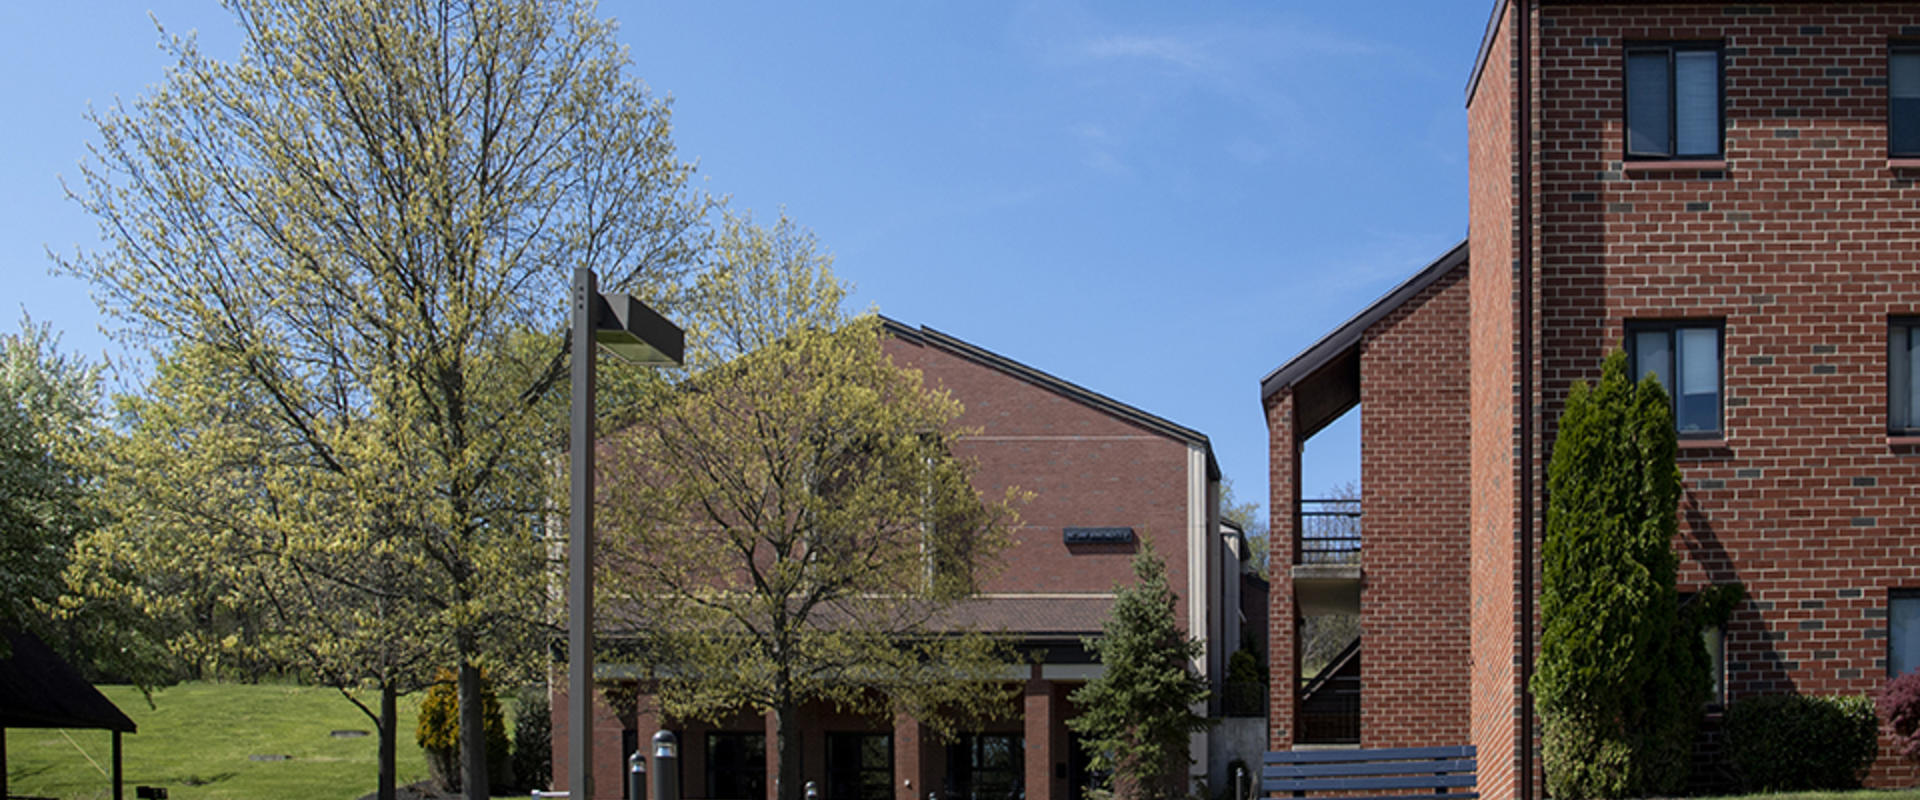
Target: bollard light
{"type": "Point", "coordinates": [666, 766]}
{"type": "Point", "coordinates": [637, 776]}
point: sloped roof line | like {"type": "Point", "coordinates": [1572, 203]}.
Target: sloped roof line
{"type": "Point", "coordinates": [1348, 334]}
{"type": "Point", "coordinates": [38, 689]}
{"type": "Point", "coordinates": [927, 336]}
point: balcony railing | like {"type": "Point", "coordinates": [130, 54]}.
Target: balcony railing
{"type": "Point", "coordinates": [1329, 532]}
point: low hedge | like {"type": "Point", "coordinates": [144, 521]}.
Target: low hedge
{"type": "Point", "coordinates": [1793, 742]}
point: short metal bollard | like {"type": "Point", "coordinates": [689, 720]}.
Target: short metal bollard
{"type": "Point", "coordinates": [637, 776]}
{"type": "Point", "coordinates": [813, 792]}
{"type": "Point", "coordinates": [1240, 782]}
{"type": "Point", "coordinates": [666, 766]}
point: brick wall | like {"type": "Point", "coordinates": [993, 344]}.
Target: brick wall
{"type": "Point", "coordinates": [1493, 719]}
{"type": "Point", "coordinates": [1283, 618]}
{"type": "Point", "coordinates": [1414, 553]}
{"type": "Point", "coordinates": [1084, 467]}
{"type": "Point", "coordinates": [1803, 243]}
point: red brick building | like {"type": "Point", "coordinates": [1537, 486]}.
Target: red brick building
{"type": "Point", "coordinates": [1105, 477]}
{"type": "Point", "coordinates": [1728, 192]}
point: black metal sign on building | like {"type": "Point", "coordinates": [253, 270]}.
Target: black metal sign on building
{"type": "Point", "coordinates": [1098, 535]}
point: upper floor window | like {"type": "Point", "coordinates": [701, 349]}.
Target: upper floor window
{"type": "Point", "coordinates": [1903, 100]}
{"type": "Point", "coordinates": [1673, 101]}
{"type": "Point", "coordinates": [1685, 356]}
{"type": "Point", "coordinates": [1903, 375]}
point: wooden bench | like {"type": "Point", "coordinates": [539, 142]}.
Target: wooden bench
{"type": "Point", "coordinates": [1446, 773]}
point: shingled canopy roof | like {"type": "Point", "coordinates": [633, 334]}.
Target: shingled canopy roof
{"type": "Point", "coordinates": [38, 689]}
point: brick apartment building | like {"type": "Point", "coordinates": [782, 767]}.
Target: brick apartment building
{"type": "Point", "coordinates": [1726, 191]}
{"type": "Point", "coordinates": [1105, 476]}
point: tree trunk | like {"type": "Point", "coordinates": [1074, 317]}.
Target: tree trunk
{"type": "Point", "coordinates": [473, 735]}
{"type": "Point", "coordinates": [787, 783]}
{"type": "Point", "coordinates": [389, 729]}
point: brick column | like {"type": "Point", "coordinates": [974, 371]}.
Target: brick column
{"type": "Point", "coordinates": [909, 743]}
{"type": "Point", "coordinates": [1283, 529]}
{"type": "Point", "coordinates": [1038, 699]}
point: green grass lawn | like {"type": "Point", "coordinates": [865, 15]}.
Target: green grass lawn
{"type": "Point", "coordinates": [1864, 794]}
{"type": "Point", "coordinates": [197, 739]}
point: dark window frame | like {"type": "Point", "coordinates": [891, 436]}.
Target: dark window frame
{"type": "Point", "coordinates": [1719, 49]}
{"type": "Point", "coordinates": [1895, 47]}
{"type": "Point", "coordinates": [1672, 327]}
{"type": "Point", "coordinates": [966, 781]}
{"type": "Point", "coordinates": [838, 776]}
{"type": "Point", "coordinates": [1903, 593]}
{"type": "Point", "coordinates": [1897, 325]}
{"type": "Point", "coordinates": [713, 765]}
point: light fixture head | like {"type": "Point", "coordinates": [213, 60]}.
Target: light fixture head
{"type": "Point", "coordinates": [635, 333]}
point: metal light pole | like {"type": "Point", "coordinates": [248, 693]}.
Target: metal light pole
{"type": "Point", "coordinates": [630, 330]}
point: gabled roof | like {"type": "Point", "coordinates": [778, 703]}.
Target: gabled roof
{"type": "Point", "coordinates": [931, 338]}
{"type": "Point", "coordinates": [1486, 46]}
{"type": "Point", "coordinates": [38, 689]}
{"type": "Point", "coordinates": [1340, 343]}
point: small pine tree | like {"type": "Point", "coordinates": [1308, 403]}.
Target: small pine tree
{"type": "Point", "coordinates": [1137, 717]}
{"type": "Point", "coordinates": [1620, 685]}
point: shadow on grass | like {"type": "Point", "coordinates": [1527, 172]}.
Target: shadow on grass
{"type": "Point", "coordinates": [196, 780]}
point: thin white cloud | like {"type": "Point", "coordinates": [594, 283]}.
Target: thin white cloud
{"type": "Point", "coordinates": [1173, 50]}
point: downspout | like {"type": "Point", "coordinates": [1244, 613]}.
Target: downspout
{"type": "Point", "coordinates": [1525, 23]}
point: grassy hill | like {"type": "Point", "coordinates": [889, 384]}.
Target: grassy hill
{"type": "Point", "coordinates": [215, 741]}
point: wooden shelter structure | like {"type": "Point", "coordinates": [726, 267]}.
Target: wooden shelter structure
{"type": "Point", "coordinates": [39, 689]}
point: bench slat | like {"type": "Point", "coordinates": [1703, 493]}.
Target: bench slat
{"type": "Point", "coordinates": [1367, 768]}
{"type": "Point", "coordinates": [1394, 754]}
{"type": "Point", "coordinates": [1350, 784]}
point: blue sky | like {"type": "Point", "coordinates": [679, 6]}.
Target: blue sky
{"type": "Point", "coordinates": [1158, 201]}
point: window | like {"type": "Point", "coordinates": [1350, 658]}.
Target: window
{"type": "Point", "coordinates": [1903, 100]}
{"type": "Point", "coordinates": [1715, 640]}
{"type": "Point", "coordinates": [859, 766]}
{"type": "Point", "coordinates": [985, 766]}
{"type": "Point", "coordinates": [1903, 375]}
{"type": "Point", "coordinates": [1673, 101]}
{"type": "Point", "coordinates": [1685, 356]}
{"type": "Point", "coordinates": [736, 766]}
{"type": "Point", "coordinates": [1903, 631]}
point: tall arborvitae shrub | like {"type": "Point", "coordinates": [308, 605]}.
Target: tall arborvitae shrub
{"type": "Point", "coordinates": [1620, 682]}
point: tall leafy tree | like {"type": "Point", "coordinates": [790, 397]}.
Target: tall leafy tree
{"type": "Point", "coordinates": [1138, 717]}
{"type": "Point", "coordinates": [49, 412]}
{"type": "Point", "coordinates": [790, 523]}
{"type": "Point", "coordinates": [1620, 683]}
{"type": "Point", "coordinates": [369, 220]}
{"type": "Point", "coordinates": [229, 544]}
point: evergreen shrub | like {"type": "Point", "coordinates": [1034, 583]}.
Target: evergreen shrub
{"type": "Point", "coordinates": [1622, 677]}
{"type": "Point", "coordinates": [533, 738]}
{"type": "Point", "coordinates": [1796, 742]}
{"type": "Point", "coordinates": [438, 732]}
